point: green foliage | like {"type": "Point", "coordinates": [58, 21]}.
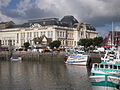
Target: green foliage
{"type": "Point", "coordinates": [88, 42]}
{"type": "Point", "coordinates": [55, 43]}
{"type": "Point", "coordinates": [85, 42]}
{"type": "Point", "coordinates": [97, 41]}
{"type": "Point", "coordinates": [26, 45]}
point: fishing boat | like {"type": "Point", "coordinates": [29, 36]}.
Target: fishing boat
{"type": "Point", "coordinates": [111, 55]}
{"type": "Point", "coordinates": [106, 74]}
{"type": "Point", "coordinates": [104, 85]}
{"type": "Point", "coordinates": [77, 58]}
{"type": "Point", "coordinates": [13, 58]}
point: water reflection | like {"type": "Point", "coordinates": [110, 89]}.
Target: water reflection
{"type": "Point", "coordinates": [42, 76]}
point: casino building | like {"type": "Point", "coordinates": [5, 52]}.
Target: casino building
{"type": "Point", "coordinates": [43, 31]}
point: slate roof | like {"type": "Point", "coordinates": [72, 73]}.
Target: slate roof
{"type": "Point", "coordinates": [90, 27]}
{"type": "Point", "coordinates": [66, 21]}
{"type": "Point", "coordinates": [69, 20]}
{"type": "Point", "coordinates": [8, 24]}
{"type": "Point", "coordinates": [45, 22]}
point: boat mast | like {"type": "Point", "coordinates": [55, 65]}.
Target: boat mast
{"type": "Point", "coordinates": [112, 35]}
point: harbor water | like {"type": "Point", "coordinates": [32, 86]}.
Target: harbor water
{"type": "Point", "coordinates": [35, 75]}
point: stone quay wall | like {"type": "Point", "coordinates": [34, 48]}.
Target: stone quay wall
{"type": "Point", "coordinates": [48, 56]}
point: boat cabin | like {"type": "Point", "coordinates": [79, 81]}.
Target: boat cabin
{"type": "Point", "coordinates": [106, 66]}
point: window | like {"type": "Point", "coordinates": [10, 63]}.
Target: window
{"type": "Point", "coordinates": [23, 35]}
{"type": "Point", "coordinates": [41, 33]}
{"type": "Point", "coordinates": [48, 33]}
{"type": "Point", "coordinates": [58, 33]}
{"type": "Point", "coordinates": [44, 32]}
{"type": "Point", "coordinates": [34, 34]}
{"type": "Point", "coordinates": [3, 42]}
{"type": "Point", "coordinates": [110, 66]}
{"type": "Point", "coordinates": [30, 34]}
{"type": "Point", "coordinates": [115, 67]}
{"type": "Point", "coordinates": [63, 42]}
{"type": "Point", "coordinates": [119, 67]}
{"type": "Point", "coordinates": [51, 33]}
{"type": "Point", "coordinates": [75, 43]}
{"type": "Point", "coordinates": [95, 66]}
{"type": "Point", "coordinates": [37, 34]}
{"type": "Point", "coordinates": [17, 37]}
{"type": "Point", "coordinates": [13, 42]}
{"type": "Point", "coordinates": [27, 34]}
{"type": "Point", "coordinates": [68, 35]}
{"type": "Point", "coordinates": [106, 66]}
{"type": "Point", "coordinates": [101, 66]}
{"type": "Point", "coordinates": [63, 34]}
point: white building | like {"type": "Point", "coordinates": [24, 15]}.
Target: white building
{"type": "Point", "coordinates": [67, 35]}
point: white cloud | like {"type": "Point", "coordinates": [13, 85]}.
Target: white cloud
{"type": "Point", "coordinates": [4, 2]}
{"type": "Point", "coordinates": [103, 33]}
{"type": "Point", "coordinates": [117, 28]}
{"type": "Point", "coordinates": [4, 18]}
{"type": "Point", "coordinates": [96, 12]}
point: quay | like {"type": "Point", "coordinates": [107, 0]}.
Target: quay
{"type": "Point", "coordinates": [35, 56]}
{"type": "Point", "coordinates": [47, 56]}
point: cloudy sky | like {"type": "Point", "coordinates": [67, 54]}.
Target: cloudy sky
{"type": "Point", "coordinates": [99, 13]}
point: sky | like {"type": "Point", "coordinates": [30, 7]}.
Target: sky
{"type": "Point", "coordinates": [99, 13]}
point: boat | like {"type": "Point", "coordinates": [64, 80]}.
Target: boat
{"type": "Point", "coordinates": [111, 55]}
{"type": "Point", "coordinates": [77, 58]}
{"type": "Point", "coordinates": [104, 85]}
{"type": "Point", "coordinates": [16, 58]}
{"type": "Point", "coordinates": [106, 74]}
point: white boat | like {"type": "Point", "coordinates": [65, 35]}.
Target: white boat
{"type": "Point", "coordinates": [106, 72]}
{"type": "Point", "coordinates": [104, 85]}
{"type": "Point", "coordinates": [79, 58]}
{"type": "Point", "coordinates": [111, 56]}
{"type": "Point", "coordinates": [16, 58]}
{"type": "Point", "coordinates": [105, 82]}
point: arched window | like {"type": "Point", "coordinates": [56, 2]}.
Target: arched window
{"type": "Point", "coordinates": [95, 66]}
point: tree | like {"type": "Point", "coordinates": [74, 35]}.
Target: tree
{"type": "Point", "coordinates": [26, 45]}
{"type": "Point", "coordinates": [85, 42]}
{"type": "Point", "coordinates": [55, 43]}
{"type": "Point", "coordinates": [97, 41]}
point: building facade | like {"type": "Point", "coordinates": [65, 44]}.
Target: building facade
{"type": "Point", "coordinates": [69, 36]}
{"type": "Point", "coordinates": [113, 38]}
